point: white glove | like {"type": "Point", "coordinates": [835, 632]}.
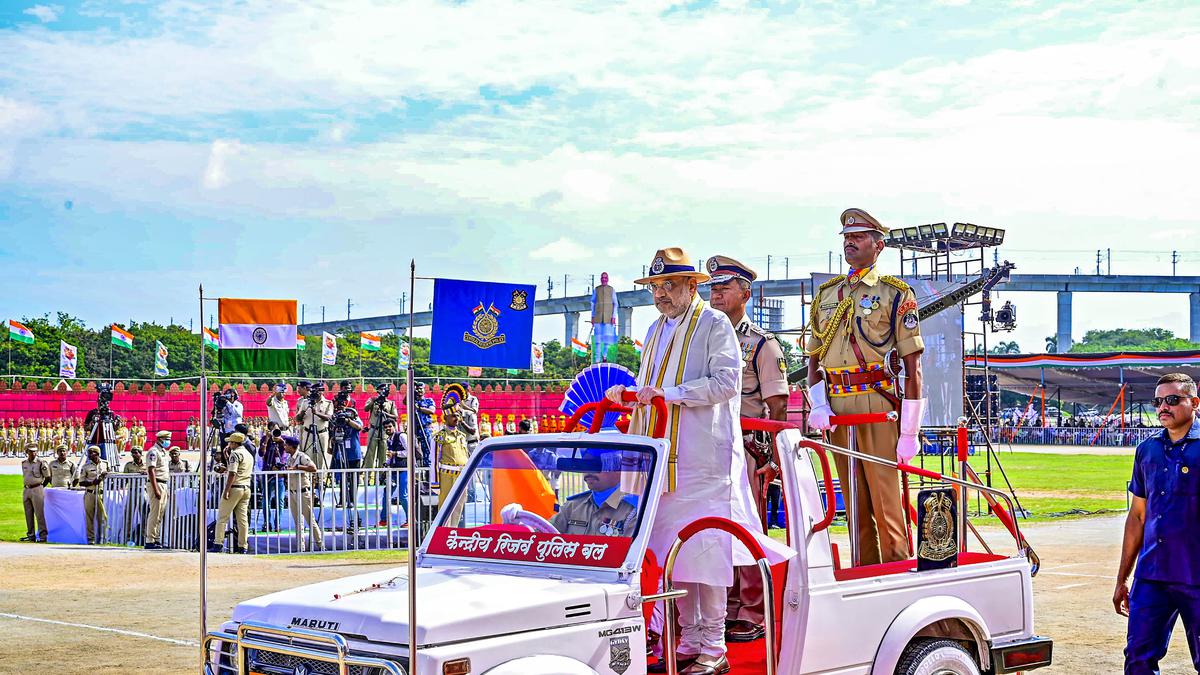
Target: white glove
{"type": "Point", "coordinates": [818, 417]}
{"type": "Point", "coordinates": [912, 413]}
{"type": "Point", "coordinates": [509, 513]}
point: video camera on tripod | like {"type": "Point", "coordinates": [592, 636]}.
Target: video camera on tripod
{"type": "Point", "coordinates": [314, 392]}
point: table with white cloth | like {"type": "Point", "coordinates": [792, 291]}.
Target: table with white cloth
{"type": "Point", "coordinates": [65, 520]}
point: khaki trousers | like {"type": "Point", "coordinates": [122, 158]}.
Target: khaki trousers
{"type": "Point", "coordinates": [316, 448]}
{"type": "Point", "coordinates": [300, 503]}
{"type": "Point", "coordinates": [236, 504]}
{"type": "Point", "coordinates": [34, 499]}
{"type": "Point", "coordinates": [158, 513]}
{"type": "Point", "coordinates": [376, 450]}
{"type": "Point", "coordinates": [97, 516]}
{"type": "Point", "coordinates": [881, 533]}
{"type": "Point", "coordinates": [745, 601]}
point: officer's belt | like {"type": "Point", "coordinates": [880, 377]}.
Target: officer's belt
{"type": "Point", "coordinates": [850, 378]}
{"type": "Point", "coordinates": [453, 468]}
{"type": "Point", "coordinates": [240, 487]}
{"type": "Point", "coordinates": [30, 487]}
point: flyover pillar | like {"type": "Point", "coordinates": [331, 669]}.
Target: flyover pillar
{"type": "Point", "coordinates": [1063, 334]}
{"type": "Point", "coordinates": [572, 327]}
{"type": "Point", "coordinates": [1194, 317]}
{"type": "Point", "coordinates": [625, 321]}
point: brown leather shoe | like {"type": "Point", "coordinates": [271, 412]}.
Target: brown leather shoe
{"type": "Point", "coordinates": [707, 667]}
{"type": "Point", "coordinates": [744, 631]}
{"type": "Point", "coordinates": [682, 661]}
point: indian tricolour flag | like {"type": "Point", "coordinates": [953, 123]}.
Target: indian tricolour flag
{"type": "Point", "coordinates": [210, 338]}
{"type": "Point", "coordinates": [257, 336]}
{"type": "Point", "coordinates": [122, 337]}
{"type": "Point", "coordinates": [300, 342]}
{"type": "Point", "coordinates": [369, 342]}
{"type": "Point", "coordinates": [637, 346]}
{"type": "Point", "coordinates": [580, 348]}
{"type": "Point", "coordinates": [17, 331]}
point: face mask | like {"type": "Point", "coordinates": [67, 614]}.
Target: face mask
{"type": "Point", "coordinates": [164, 444]}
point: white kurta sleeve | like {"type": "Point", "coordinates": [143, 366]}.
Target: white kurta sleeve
{"type": "Point", "coordinates": [723, 370]}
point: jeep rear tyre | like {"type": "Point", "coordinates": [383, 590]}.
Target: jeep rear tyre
{"type": "Point", "coordinates": [936, 657]}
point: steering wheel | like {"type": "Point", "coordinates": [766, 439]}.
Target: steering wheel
{"type": "Point", "coordinates": [515, 514]}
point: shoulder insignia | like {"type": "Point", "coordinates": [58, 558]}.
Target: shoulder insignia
{"type": "Point", "coordinates": [832, 282]}
{"type": "Point", "coordinates": [894, 282]}
{"type": "Point", "coordinates": [631, 500]}
{"type": "Point", "coordinates": [580, 495]}
{"type": "Point", "coordinates": [759, 330]}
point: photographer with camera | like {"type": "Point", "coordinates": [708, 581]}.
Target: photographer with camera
{"type": "Point", "coordinates": [278, 410]}
{"type": "Point", "coordinates": [347, 454]}
{"type": "Point", "coordinates": [313, 413]}
{"type": "Point", "coordinates": [227, 405]}
{"type": "Point", "coordinates": [270, 488]}
{"type": "Point", "coordinates": [101, 424]}
{"type": "Point", "coordinates": [380, 411]}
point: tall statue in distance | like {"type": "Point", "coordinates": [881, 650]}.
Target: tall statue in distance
{"type": "Point", "coordinates": [604, 321]}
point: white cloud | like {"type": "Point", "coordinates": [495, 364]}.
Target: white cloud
{"type": "Point", "coordinates": [216, 172]}
{"type": "Point", "coordinates": [562, 250]}
{"type": "Point", "coordinates": [45, 13]}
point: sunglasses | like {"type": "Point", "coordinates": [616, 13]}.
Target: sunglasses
{"type": "Point", "coordinates": [1171, 400]}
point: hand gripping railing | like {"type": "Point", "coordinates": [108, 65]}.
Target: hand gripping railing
{"type": "Point", "coordinates": [604, 406]}
{"type": "Point", "coordinates": [764, 568]}
{"type": "Point", "coordinates": [340, 656]}
{"type": "Point", "coordinates": [776, 426]}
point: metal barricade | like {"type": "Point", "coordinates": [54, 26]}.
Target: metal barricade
{"type": "Point", "coordinates": [127, 507]}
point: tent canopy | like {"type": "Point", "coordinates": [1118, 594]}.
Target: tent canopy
{"type": "Point", "coordinates": [1089, 378]}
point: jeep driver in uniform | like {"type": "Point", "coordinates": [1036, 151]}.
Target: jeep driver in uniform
{"type": "Point", "coordinates": [603, 509]}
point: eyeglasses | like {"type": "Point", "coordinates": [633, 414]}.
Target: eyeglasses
{"type": "Point", "coordinates": [667, 286]}
{"type": "Point", "coordinates": [1171, 400]}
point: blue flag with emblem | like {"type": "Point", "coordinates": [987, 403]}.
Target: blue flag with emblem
{"type": "Point", "coordinates": [480, 323]}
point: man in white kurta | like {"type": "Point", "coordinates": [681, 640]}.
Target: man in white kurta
{"type": "Point", "coordinates": [692, 359]}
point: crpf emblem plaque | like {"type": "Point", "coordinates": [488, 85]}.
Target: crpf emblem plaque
{"type": "Point", "coordinates": [619, 657]}
{"type": "Point", "coordinates": [937, 529]}
{"type": "Point", "coordinates": [518, 300]}
{"type": "Point", "coordinates": [484, 328]}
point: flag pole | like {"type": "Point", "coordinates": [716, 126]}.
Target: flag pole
{"type": "Point", "coordinates": [202, 510]}
{"type": "Point", "coordinates": [412, 481]}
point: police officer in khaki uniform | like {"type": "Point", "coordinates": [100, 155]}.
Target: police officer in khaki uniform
{"type": "Point", "coordinates": [379, 410]}
{"type": "Point", "coordinates": [864, 331]}
{"type": "Point", "coordinates": [62, 470]}
{"type": "Point", "coordinates": [300, 497]}
{"type": "Point", "coordinates": [235, 500]}
{"type": "Point", "coordinates": [177, 464]}
{"type": "Point", "coordinates": [91, 477]}
{"type": "Point", "coordinates": [764, 394]}
{"type": "Point", "coordinates": [135, 464]}
{"type": "Point", "coordinates": [315, 446]}
{"type": "Point", "coordinates": [603, 509]}
{"type": "Point", "coordinates": [450, 447]}
{"type": "Point", "coordinates": [157, 492]}
{"type": "Point", "coordinates": [35, 475]}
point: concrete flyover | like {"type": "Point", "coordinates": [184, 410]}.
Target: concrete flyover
{"type": "Point", "coordinates": [1065, 285]}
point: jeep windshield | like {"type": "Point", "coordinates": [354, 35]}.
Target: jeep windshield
{"type": "Point", "coordinates": [564, 504]}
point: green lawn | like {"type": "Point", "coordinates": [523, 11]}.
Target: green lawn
{"type": "Point", "coordinates": [12, 514]}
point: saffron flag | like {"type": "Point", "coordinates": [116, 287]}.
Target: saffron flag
{"type": "Point", "coordinates": [210, 338]}
{"type": "Point", "coordinates": [516, 480]}
{"type": "Point", "coordinates": [539, 360]}
{"type": "Point", "coordinates": [369, 342]}
{"type": "Point", "coordinates": [481, 323]}
{"type": "Point", "coordinates": [300, 342]}
{"type": "Point", "coordinates": [68, 359]}
{"type": "Point", "coordinates": [121, 337]}
{"type": "Point", "coordinates": [17, 331]}
{"type": "Point", "coordinates": [580, 348]}
{"type": "Point", "coordinates": [328, 349]}
{"type": "Point", "coordinates": [403, 355]}
{"type": "Point", "coordinates": [160, 360]}
{"type": "Point", "coordinates": [637, 347]}
{"type": "Point", "coordinates": [257, 336]}
{"type": "Point", "coordinates": [474, 371]}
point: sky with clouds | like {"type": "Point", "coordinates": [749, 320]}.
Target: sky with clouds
{"type": "Point", "coordinates": [311, 149]}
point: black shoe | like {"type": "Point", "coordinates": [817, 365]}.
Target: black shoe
{"type": "Point", "coordinates": [216, 549]}
{"type": "Point", "coordinates": [239, 550]}
{"type": "Point", "coordinates": [744, 631]}
{"type": "Point", "coordinates": [29, 538]}
{"type": "Point", "coordinates": [681, 661]}
{"type": "Point", "coordinates": [152, 547]}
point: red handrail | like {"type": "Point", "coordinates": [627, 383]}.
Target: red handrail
{"type": "Point", "coordinates": [863, 418]}
{"type": "Point", "coordinates": [599, 408]}
{"type": "Point", "coordinates": [725, 525]}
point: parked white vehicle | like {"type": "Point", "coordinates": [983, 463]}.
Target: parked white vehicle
{"type": "Point", "coordinates": [502, 591]}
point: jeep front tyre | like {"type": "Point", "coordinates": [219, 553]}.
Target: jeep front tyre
{"type": "Point", "coordinates": [936, 657]}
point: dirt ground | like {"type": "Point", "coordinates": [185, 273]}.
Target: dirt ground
{"type": "Point", "coordinates": [154, 595]}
